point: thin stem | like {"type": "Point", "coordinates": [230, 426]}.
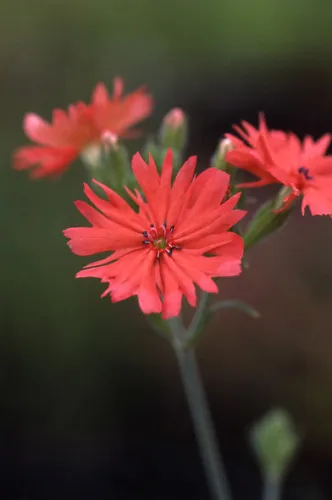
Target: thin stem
{"type": "Point", "coordinates": [203, 427]}
{"type": "Point", "coordinates": [195, 322]}
{"type": "Point", "coordinates": [272, 489]}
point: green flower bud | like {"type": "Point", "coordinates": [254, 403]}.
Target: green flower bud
{"type": "Point", "coordinates": [174, 131]}
{"type": "Point", "coordinates": [108, 162]}
{"type": "Point", "coordinates": [268, 219]}
{"type": "Point", "coordinates": [275, 443]}
{"type": "Point", "coordinates": [218, 160]}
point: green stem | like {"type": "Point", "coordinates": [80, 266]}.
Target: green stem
{"type": "Point", "coordinates": [272, 489]}
{"type": "Point", "coordinates": [200, 414]}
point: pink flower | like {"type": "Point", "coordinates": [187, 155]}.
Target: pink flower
{"type": "Point", "coordinates": [280, 157]}
{"type": "Point", "coordinates": [177, 239]}
{"type": "Point", "coordinates": [60, 142]}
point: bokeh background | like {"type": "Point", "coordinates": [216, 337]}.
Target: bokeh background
{"type": "Point", "coordinates": [91, 401]}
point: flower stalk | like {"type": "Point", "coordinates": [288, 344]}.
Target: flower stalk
{"type": "Point", "coordinates": [272, 489]}
{"type": "Point", "coordinates": [200, 414]}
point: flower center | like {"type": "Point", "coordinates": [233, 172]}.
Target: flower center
{"type": "Point", "coordinates": [306, 173]}
{"type": "Point", "coordinates": [160, 239]}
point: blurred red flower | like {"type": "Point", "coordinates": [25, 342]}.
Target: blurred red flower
{"type": "Point", "coordinates": [279, 157]}
{"type": "Point", "coordinates": [84, 126]}
{"type": "Point", "coordinates": [179, 236]}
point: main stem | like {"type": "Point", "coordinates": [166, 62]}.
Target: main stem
{"type": "Point", "coordinates": [202, 423]}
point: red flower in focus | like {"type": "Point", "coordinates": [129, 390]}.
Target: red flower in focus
{"type": "Point", "coordinates": [278, 157]}
{"type": "Point", "coordinates": [178, 238]}
{"type": "Point", "coordinates": [59, 143]}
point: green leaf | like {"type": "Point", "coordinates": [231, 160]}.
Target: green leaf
{"type": "Point", "coordinates": [235, 304]}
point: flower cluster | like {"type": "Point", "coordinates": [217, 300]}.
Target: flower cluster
{"type": "Point", "coordinates": [176, 237]}
{"type": "Point", "coordinates": [167, 233]}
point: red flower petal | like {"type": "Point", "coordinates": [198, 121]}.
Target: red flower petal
{"type": "Point", "coordinates": [191, 264]}
{"type": "Point", "coordinates": [124, 216]}
{"type": "Point", "coordinates": [90, 240]}
{"type": "Point", "coordinates": [148, 297]}
{"type": "Point", "coordinates": [172, 294]}
{"type": "Point", "coordinates": [45, 161]}
{"type": "Point", "coordinates": [185, 283]}
{"type": "Point", "coordinates": [100, 95]}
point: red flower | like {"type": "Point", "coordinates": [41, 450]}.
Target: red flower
{"type": "Point", "coordinates": [179, 236]}
{"type": "Point", "coordinates": [278, 157]}
{"type": "Point", "coordinates": [59, 143]}
{"type": "Point", "coordinates": [248, 153]}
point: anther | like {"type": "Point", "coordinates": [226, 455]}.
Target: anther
{"type": "Point", "coordinates": [146, 242]}
{"type": "Point", "coordinates": [145, 234]}
{"type": "Point", "coordinates": [305, 172]}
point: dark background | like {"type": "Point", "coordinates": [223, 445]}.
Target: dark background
{"type": "Point", "coordinates": [91, 401]}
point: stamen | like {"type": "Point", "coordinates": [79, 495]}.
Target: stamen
{"type": "Point", "coordinates": [160, 239]}
{"type": "Point", "coordinates": [306, 172]}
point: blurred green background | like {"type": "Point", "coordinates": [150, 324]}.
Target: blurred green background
{"type": "Point", "coordinates": [92, 406]}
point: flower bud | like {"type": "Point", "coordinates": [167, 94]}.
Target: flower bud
{"type": "Point", "coordinates": [109, 140]}
{"type": "Point", "coordinates": [219, 158]}
{"type": "Point", "coordinates": [265, 221]}
{"type": "Point", "coordinates": [91, 156]}
{"type": "Point", "coordinates": [174, 118]}
{"type": "Point", "coordinates": [283, 199]}
{"type": "Point", "coordinates": [174, 130]}
{"type": "Point", "coordinates": [108, 161]}
{"type": "Point", "coordinates": [225, 145]}
{"type": "Point", "coordinates": [275, 443]}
